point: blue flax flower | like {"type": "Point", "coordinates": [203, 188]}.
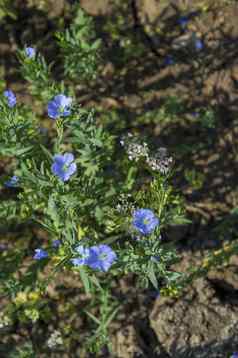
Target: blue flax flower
{"type": "Point", "coordinates": [101, 257]}
{"type": "Point", "coordinates": [40, 254]}
{"type": "Point", "coordinates": [11, 98]}
{"type": "Point", "coordinates": [183, 21]}
{"type": "Point", "coordinates": [234, 355]}
{"type": "Point", "coordinates": [83, 256]}
{"type": "Point", "coordinates": [63, 166]}
{"type": "Point", "coordinates": [59, 106]}
{"type": "Point", "coordinates": [168, 60]}
{"type": "Point", "coordinates": [56, 243]}
{"type": "Point", "coordinates": [30, 52]}
{"type": "Point", "coordinates": [145, 221]}
{"type": "Point", "coordinates": [12, 182]}
{"type": "Point", "coordinates": [155, 259]}
{"type": "Point", "coordinates": [195, 114]}
{"type": "Point", "coordinates": [198, 44]}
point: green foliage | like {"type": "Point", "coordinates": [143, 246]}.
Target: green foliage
{"type": "Point", "coordinates": [120, 31]}
{"type": "Point", "coordinates": [82, 209]}
{"type": "Point", "coordinates": [217, 258]}
{"type": "Point", "coordinates": [194, 178]}
{"type": "Point", "coordinates": [207, 118]}
{"type": "Point", "coordinates": [7, 9]}
{"type": "Point", "coordinates": [38, 74]}
{"type": "Point", "coordinates": [24, 351]}
{"type": "Point", "coordinates": [108, 310]}
{"type": "Point", "coordinates": [80, 49]}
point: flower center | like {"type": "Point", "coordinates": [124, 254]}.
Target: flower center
{"type": "Point", "coordinates": [103, 256]}
{"type": "Point", "coordinates": [65, 167]}
{"type": "Point", "coordinates": [63, 108]}
{"type": "Point", "coordinates": [145, 221]}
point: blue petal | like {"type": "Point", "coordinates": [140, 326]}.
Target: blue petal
{"type": "Point", "coordinates": [11, 98]}
{"type": "Point", "coordinates": [78, 262]}
{"type": "Point", "coordinates": [53, 110]}
{"type": "Point", "coordinates": [68, 158]}
{"type": "Point", "coordinates": [30, 52]}
{"type": "Point", "coordinates": [62, 101]}
{"type": "Point", "coordinates": [59, 159]}
{"type": "Point", "coordinates": [72, 169]}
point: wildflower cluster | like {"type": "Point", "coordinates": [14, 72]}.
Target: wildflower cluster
{"type": "Point", "coordinates": [98, 218]}
{"type": "Point", "coordinates": [124, 203]}
{"type": "Point", "coordinates": [74, 203]}
{"type": "Point", "coordinates": [60, 202]}
{"type": "Point", "coordinates": [134, 150]}
{"type": "Point", "coordinates": [55, 340]}
{"type": "Point", "coordinates": [158, 161]}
